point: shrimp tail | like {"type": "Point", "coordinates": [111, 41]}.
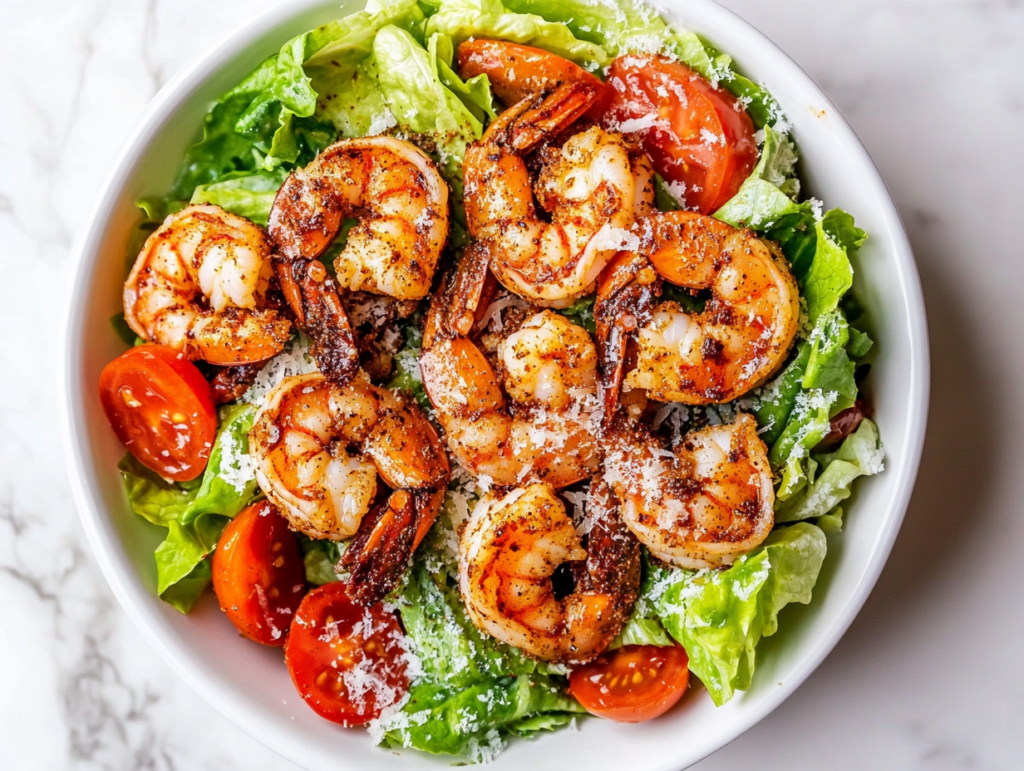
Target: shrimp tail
{"type": "Point", "coordinates": [333, 343]}
{"type": "Point", "coordinates": [537, 119]}
{"type": "Point", "coordinates": [613, 552]}
{"type": "Point", "coordinates": [472, 287]}
{"type": "Point", "coordinates": [625, 296]}
{"type": "Point", "coordinates": [378, 554]}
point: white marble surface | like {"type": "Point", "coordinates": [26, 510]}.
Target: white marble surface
{"type": "Point", "coordinates": [930, 676]}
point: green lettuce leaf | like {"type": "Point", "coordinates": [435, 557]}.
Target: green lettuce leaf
{"type": "Point", "coordinates": [229, 482]}
{"type": "Point", "coordinates": [859, 455]}
{"type": "Point", "coordinates": [194, 513]}
{"type": "Point", "coordinates": [248, 195]}
{"type": "Point", "coordinates": [463, 19]}
{"type": "Point", "coordinates": [830, 275]}
{"type": "Point", "coordinates": [642, 631]}
{"type": "Point", "coordinates": [470, 721]}
{"type": "Point", "coordinates": [774, 402]}
{"type": "Point", "coordinates": [719, 616]}
{"type": "Point", "coordinates": [319, 557]}
{"type": "Point", "coordinates": [186, 593]}
{"type": "Point", "coordinates": [766, 198]}
{"type": "Point", "coordinates": [829, 367]}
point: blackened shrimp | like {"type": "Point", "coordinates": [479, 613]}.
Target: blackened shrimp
{"type": "Point", "coordinates": [319, 449]}
{"type": "Point", "coordinates": [546, 433]}
{"type": "Point", "coordinates": [510, 550]}
{"type": "Point", "coordinates": [740, 338]}
{"type": "Point", "coordinates": [590, 186]}
{"type": "Point", "coordinates": [199, 285]}
{"type": "Point", "coordinates": [702, 506]}
{"type": "Point", "coordinates": [400, 201]}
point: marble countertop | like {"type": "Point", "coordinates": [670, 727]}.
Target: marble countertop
{"type": "Point", "coordinates": [929, 676]}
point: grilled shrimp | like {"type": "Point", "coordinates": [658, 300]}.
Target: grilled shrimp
{"type": "Point", "coordinates": [550, 367]}
{"type": "Point", "coordinates": [319, 449]}
{"type": "Point", "coordinates": [737, 342]}
{"type": "Point", "coordinates": [199, 285]}
{"type": "Point", "coordinates": [591, 187]}
{"type": "Point", "coordinates": [401, 203]}
{"type": "Point", "coordinates": [508, 553]}
{"type": "Point", "coordinates": [701, 507]}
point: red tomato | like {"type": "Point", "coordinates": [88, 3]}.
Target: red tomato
{"type": "Point", "coordinates": [517, 71]}
{"type": "Point", "coordinates": [347, 661]}
{"type": "Point", "coordinates": [161, 408]}
{"type": "Point", "coordinates": [633, 683]}
{"type": "Point", "coordinates": [696, 134]}
{"type": "Point", "coordinates": [258, 574]}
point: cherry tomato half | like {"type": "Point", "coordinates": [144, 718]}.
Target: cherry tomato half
{"type": "Point", "coordinates": [695, 133]}
{"type": "Point", "coordinates": [258, 574]}
{"type": "Point", "coordinates": [516, 71]}
{"type": "Point", "coordinates": [633, 683]}
{"type": "Point", "coordinates": [161, 408]}
{"type": "Point", "coordinates": [347, 661]}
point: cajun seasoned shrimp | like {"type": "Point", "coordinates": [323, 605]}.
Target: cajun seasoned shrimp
{"type": "Point", "coordinates": [199, 285]}
{"type": "Point", "coordinates": [590, 187]}
{"type": "Point", "coordinates": [319, 449]}
{"type": "Point", "coordinates": [550, 367]}
{"type": "Point", "coordinates": [702, 506]}
{"type": "Point", "coordinates": [400, 201]}
{"type": "Point", "coordinates": [508, 553]}
{"type": "Point", "coordinates": [742, 336]}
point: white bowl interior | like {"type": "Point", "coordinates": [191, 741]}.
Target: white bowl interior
{"type": "Point", "coordinates": [249, 683]}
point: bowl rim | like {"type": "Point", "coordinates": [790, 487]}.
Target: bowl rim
{"type": "Point", "coordinates": [103, 539]}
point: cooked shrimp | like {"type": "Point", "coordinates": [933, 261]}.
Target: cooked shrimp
{"type": "Point", "coordinates": [701, 507]}
{"type": "Point", "coordinates": [400, 201]}
{"type": "Point", "coordinates": [590, 188]}
{"type": "Point", "coordinates": [508, 553]}
{"type": "Point", "coordinates": [318, 450]}
{"type": "Point", "coordinates": [737, 342]}
{"type": "Point", "coordinates": [550, 366]}
{"type": "Point", "coordinates": [199, 285]}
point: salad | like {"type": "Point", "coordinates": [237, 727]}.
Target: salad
{"type": "Point", "coordinates": [486, 358]}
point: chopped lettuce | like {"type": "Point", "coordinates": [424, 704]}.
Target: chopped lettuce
{"type": "Point", "coordinates": [247, 194]}
{"type": "Point", "coordinates": [775, 401]}
{"type": "Point", "coordinates": [463, 19]}
{"type": "Point", "coordinates": [194, 513]}
{"type": "Point", "coordinates": [719, 616]}
{"type": "Point", "coordinates": [766, 199]}
{"type": "Point", "coordinates": [473, 690]}
{"type": "Point", "coordinates": [470, 721]}
{"type": "Point", "coordinates": [859, 455]}
{"type": "Point", "coordinates": [319, 556]}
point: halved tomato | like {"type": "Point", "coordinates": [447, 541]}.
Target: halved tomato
{"type": "Point", "coordinates": [161, 408]}
{"type": "Point", "coordinates": [697, 135]}
{"type": "Point", "coordinates": [258, 574]}
{"type": "Point", "coordinates": [633, 683]}
{"type": "Point", "coordinates": [516, 71]}
{"type": "Point", "coordinates": [347, 661]}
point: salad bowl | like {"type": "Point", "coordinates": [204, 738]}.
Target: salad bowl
{"type": "Point", "coordinates": [247, 683]}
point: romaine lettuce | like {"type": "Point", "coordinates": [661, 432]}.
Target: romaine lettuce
{"type": "Point", "coordinates": [194, 513]}
{"type": "Point", "coordinates": [859, 455]}
{"type": "Point", "coordinates": [719, 616]}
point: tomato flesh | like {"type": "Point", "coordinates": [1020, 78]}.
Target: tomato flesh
{"type": "Point", "coordinates": [633, 683]}
{"type": "Point", "coordinates": [347, 661]}
{"type": "Point", "coordinates": [161, 408]}
{"type": "Point", "coordinates": [516, 71]}
{"type": "Point", "coordinates": [258, 574]}
{"type": "Point", "coordinates": [697, 135]}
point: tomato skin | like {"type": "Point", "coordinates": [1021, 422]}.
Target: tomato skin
{"type": "Point", "coordinates": [161, 408]}
{"type": "Point", "coordinates": [258, 574]}
{"type": "Point", "coordinates": [324, 646]}
{"type": "Point", "coordinates": [516, 71]}
{"type": "Point", "coordinates": [606, 687]}
{"type": "Point", "coordinates": [702, 138]}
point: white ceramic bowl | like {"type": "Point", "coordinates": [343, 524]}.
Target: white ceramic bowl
{"type": "Point", "coordinates": [248, 683]}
